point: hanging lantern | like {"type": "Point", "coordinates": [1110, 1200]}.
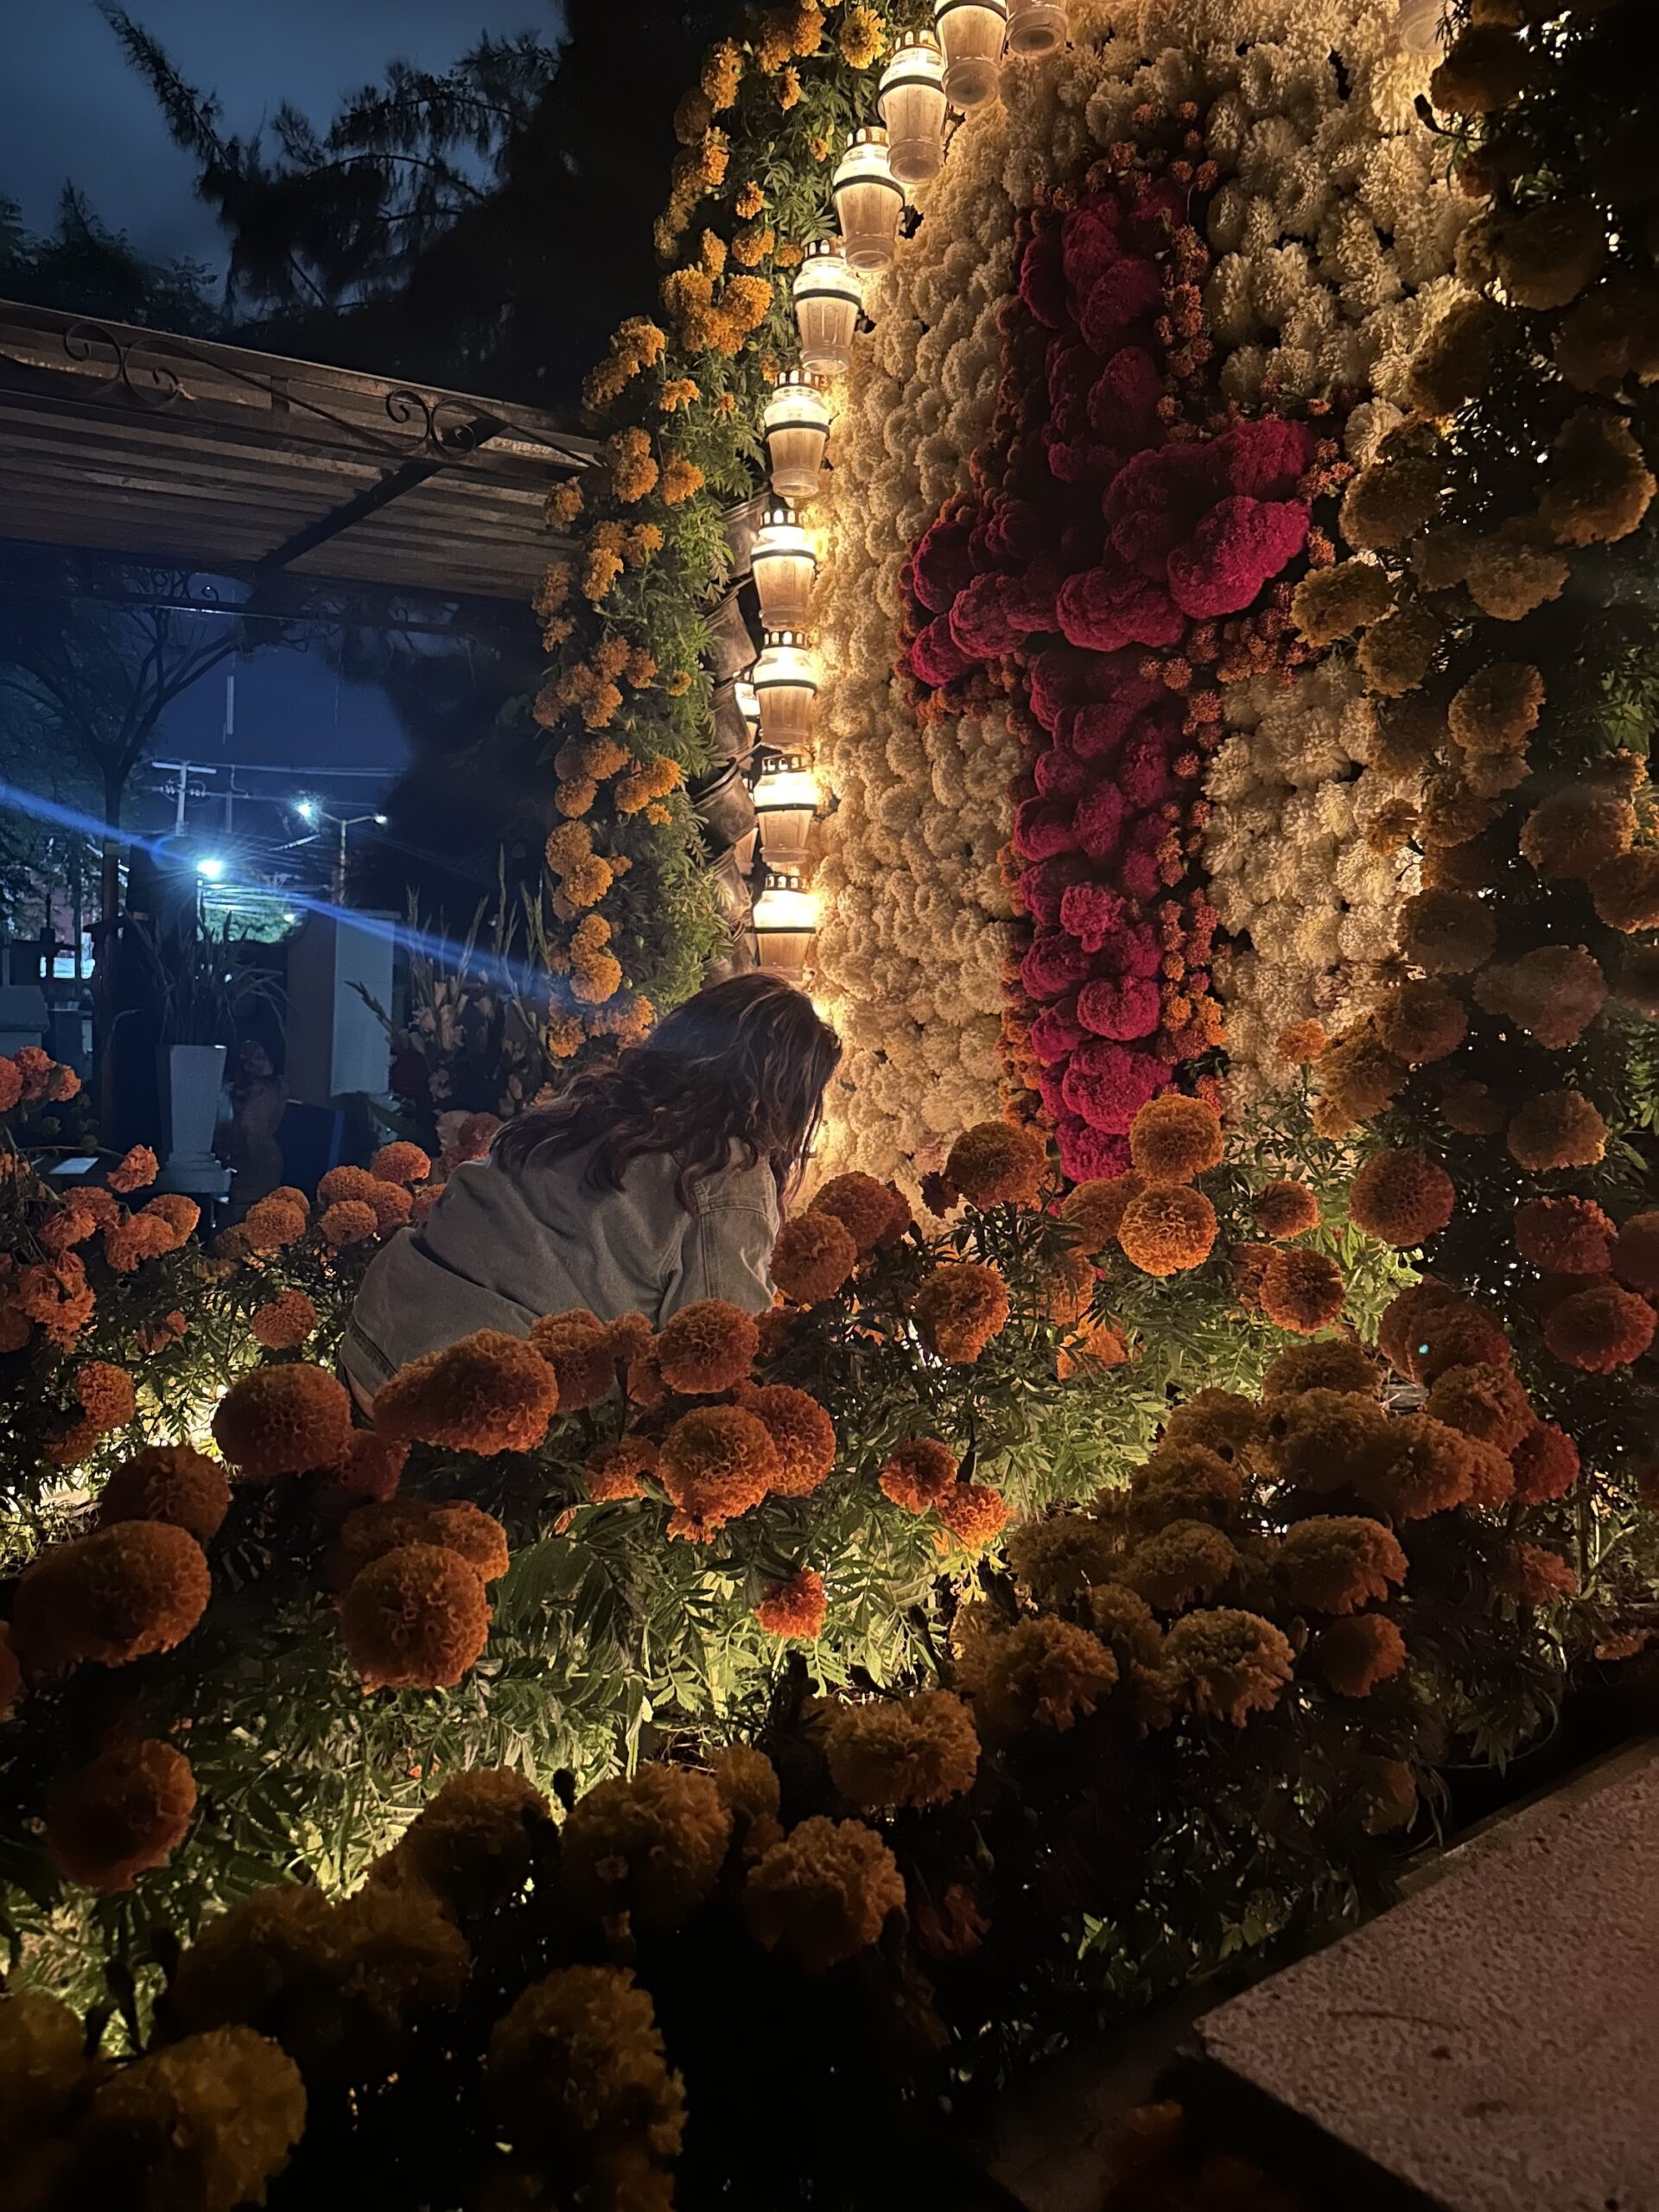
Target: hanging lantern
{"type": "Point", "coordinates": [828, 297]}
{"type": "Point", "coordinates": [786, 917]}
{"type": "Point", "coordinates": [796, 428]}
{"type": "Point", "coordinates": [787, 799]}
{"type": "Point", "coordinates": [784, 566]}
{"type": "Point", "coordinates": [970, 33]}
{"type": "Point", "coordinates": [1038, 26]}
{"type": "Point", "coordinates": [786, 685]}
{"type": "Point", "coordinates": [912, 105]}
{"type": "Point", "coordinates": [869, 200]}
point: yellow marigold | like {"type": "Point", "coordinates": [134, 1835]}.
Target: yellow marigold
{"type": "Point", "coordinates": [789, 91]}
{"type": "Point", "coordinates": [1094, 1211]}
{"type": "Point", "coordinates": [1225, 1664]}
{"type": "Point", "coordinates": [1125, 1624]}
{"type": "Point", "coordinates": [563, 1037]}
{"type": "Point", "coordinates": [472, 1845]}
{"type": "Point", "coordinates": [1452, 362]}
{"type": "Point", "coordinates": [813, 1257]}
{"type": "Point", "coordinates": [1045, 1673]}
{"type": "Point", "coordinates": [1182, 1562]}
{"type": "Point", "coordinates": [652, 780]}
{"type": "Point", "coordinates": [995, 1164]}
{"type": "Point", "coordinates": [567, 847]}
{"type": "Point", "coordinates": [614, 1472]}
{"type": "Point", "coordinates": [488, 1393]}
{"type": "Point", "coordinates": [632, 465]}
{"type": "Point", "coordinates": [1166, 1229]}
{"type": "Point", "coordinates": [717, 1462]}
{"type": "Point", "coordinates": [1557, 1128]}
{"type": "Point", "coordinates": [284, 1321]}
{"type": "Point", "coordinates": [752, 244]}
{"type": "Point", "coordinates": [120, 1594]}
{"type": "Point", "coordinates": [1395, 654]}
{"type": "Point", "coordinates": [802, 1431]}
{"type": "Point", "coordinates": [1174, 1139]}
{"type": "Point", "coordinates": [204, 2123]}
{"type": "Point", "coordinates": [682, 479]}
{"type": "Point", "coordinates": [576, 1345]}
{"type": "Point", "coordinates": [794, 1607]}
{"type": "Point", "coordinates": [1352, 1656]}
{"type": "Point", "coordinates": [863, 36]}
{"type": "Point", "coordinates": [960, 1308]}
{"type": "Point", "coordinates": [897, 1754]}
{"type": "Point", "coordinates": [171, 1483]}
{"type": "Point", "coordinates": [1547, 254]}
{"type": "Point", "coordinates": [678, 392]}
{"type": "Point", "coordinates": [823, 1893]}
{"type": "Point", "coordinates": [578, 2080]}
{"type": "Point", "coordinates": [564, 504]}
{"type": "Point", "coordinates": [750, 200]}
{"type": "Point", "coordinates": [122, 1814]}
{"type": "Point", "coordinates": [415, 1619]}
{"type": "Point", "coordinates": [284, 1420]}
{"type": "Point", "coordinates": [747, 1783]}
{"type": "Point", "coordinates": [721, 74]}
{"type": "Point", "coordinates": [707, 1347]}
{"type": "Point", "coordinates": [134, 1170]}
{"type": "Point", "coordinates": [651, 1846]}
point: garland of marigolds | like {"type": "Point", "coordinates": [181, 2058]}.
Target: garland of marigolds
{"type": "Point", "coordinates": [626, 700]}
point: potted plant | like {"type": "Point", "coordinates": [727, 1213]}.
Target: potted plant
{"type": "Point", "coordinates": [204, 987]}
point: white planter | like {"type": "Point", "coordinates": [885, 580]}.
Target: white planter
{"type": "Point", "coordinates": [192, 1076]}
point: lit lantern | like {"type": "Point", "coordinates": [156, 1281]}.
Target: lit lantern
{"type": "Point", "coordinates": [912, 105]}
{"type": "Point", "coordinates": [796, 427]}
{"type": "Point", "coordinates": [787, 799]}
{"type": "Point", "coordinates": [970, 33]}
{"type": "Point", "coordinates": [869, 200]}
{"type": "Point", "coordinates": [786, 917]}
{"type": "Point", "coordinates": [1038, 26]}
{"type": "Point", "coordinates": [784, 566]}
{"type": "Point", "coordinates": [828, 297]}
{"type": "Point", "coordinates": [787, 683]}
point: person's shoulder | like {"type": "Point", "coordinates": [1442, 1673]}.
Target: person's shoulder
{"type": "Point", "coordinates": [741, 1183]}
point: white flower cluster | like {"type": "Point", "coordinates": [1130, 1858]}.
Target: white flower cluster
{"type": "Point", "coordinates": [1300, 868]}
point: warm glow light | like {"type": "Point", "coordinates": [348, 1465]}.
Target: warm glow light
{"type": "Point", "coordinates": [913, 103]}
{"type": "Point", "coordinates": [970, 33]}
{"type": "Point", "coordinates": [748, 704]}
{"type": "Point", "coordinates": [786, 800]}
{"type": "Point", "coordinates": [796, 428]}
{"type": "Point", "coordinates": [785, 567]}
{"type": "Point", "coordinates": [786, 682]}
{"type": "Point", "coordinates": [869, 200]}
{"type": "Point", "coordinates": [786, 917]}
{"type": "Point", "coordinates": [828, 298]}
{"type": "Point", "coordinates": [1039, 26]}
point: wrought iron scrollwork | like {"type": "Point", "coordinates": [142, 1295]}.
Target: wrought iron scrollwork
{"type": "Point", "coordinates": [134, 365]}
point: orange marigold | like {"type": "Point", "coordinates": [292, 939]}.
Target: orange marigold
{"type": "Point", "coordinates": [1564, 1236]}
{"type": "Point", "coordinates": [106, 1395]}
{"type": "Point", "coordinates": [718, 1461]}
{"type": "Point", "coordinates": [579, 1348]}
{"type": "Point", "coordinates": [1488, 1403]}
{"type": "Point", "coordinates": [1636, 1251]}
{"type": "Point", "coordinates": [271, 1224]}
{"type": "Point", "coordinates": [1421, 1021]}
{"type": "Point", "coordinates": [369, 1473]}
{"type": "Point", "coordinates": [415, 1619]}
{"type": "Point", "coordinates": [1352, 1656]}
{"type": "Point", "coordinates": [707, 1347]}
{"type": "Point", "coordinates": [1285, 1209]}
{"type": "Point", "coordinates": [1536, 1575]}
{"type": "Point", "coordinates": [1301, 1043]}
{"type": "Point", "coordinates": [862, 1206]}
{"type": "Point", "coordinates": [472, 1844]}
{"type": "Point", "coordinates": [1302, 1291]}
{"type": "Point", "coordinates": [795, 1607]}
{"type": "Point", "coordinates": [1226, 1664]}
{"type": "Point", "coordinates": [1400, 1199]}
{"type": "Point", "coordinates": [824, 1894]}
{"type": "Point", "coordinates": [1545, 1464]}
{"type": "Point", "coordinates": [349, 1221]}
{"type": "Point", "coordinates": [1557, 1128]}
{"type": "Point", "coordinates": [995, 1164]}
{"type": "Point", "coordinates": [284, 1420]}
{"type": "Point", "coordinates": [488, 1393]}
{"type": "Point", "coordinates": [1094, 1211]}
{"type": "Point", "coordinates": [285, 1322]}
{"type": "Point", "coordinates": [1429, 1327]}
{"type": "Point", "coordinates": [1600, 1329]}
{"type": "Point", "coordinates": [1045, 1673]}
{"type": "Point", "coordinates": [401, 1162]}
{"type": "Point", "coordinates": [171, 1483]}
{"type": "Point", "coordinates": [1183, 1561]}
{"type": "Point", "coordinates": [121, 1815]}
{"type": "Point", "coordinates": [917, 1473]}
{"type": "Point", "coordinates": [1174, 1139]}
{"type": "Point", "coordinates": [1166, 1229]}
{"type": "Point", "coordinates": [1337, 1364]}
{"type": "Point", "coordinates": [616, 1471]}
{"type": "Point", "coordinates": [115, 1595]}
{"type": "Point", "coordinates": [802, 1431]}
{"type": "Point", "coordinates": [371, 1531]}
{"type": "Point", "coordinates": [181, 1214]}
{"type": "Point", "coordinates": [975, 1515]}
{"type": "Point", "coordinates": [133, 1170]}
{"type": "Point", "coordinates": [1338, 1562]}
{"type": "Point", "coordinates": [902, 1753]}
{"type": "Point", "coordinates": [813, 1257]}
{"type": "Point", "coordinates": [960, 1308]}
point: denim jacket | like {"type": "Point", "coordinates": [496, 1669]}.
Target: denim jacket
{"type": "Point", "coordinates": [500, 1249]}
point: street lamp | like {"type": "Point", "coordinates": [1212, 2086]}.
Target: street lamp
{"type": "Point", "coordinates": [312, 810]}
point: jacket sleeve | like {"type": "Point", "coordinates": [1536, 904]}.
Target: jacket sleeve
{"type": "Point", "coordinates": [728, 1249]}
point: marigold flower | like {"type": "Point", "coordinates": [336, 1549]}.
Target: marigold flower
{"type": "Point", "coordinates": [208, 2121]}
{"type": "Point", "coordinates": [119, 1594]}
{"type": "Point", "coordinates": [473, 1843]}
{"type": "Point", "coordinates": [823, 1893]}
{"type": "Point", "coordinates": [746, 1782]}
{"type": "Point", "coordinates": [401, 1162]}
{"type": "Point", "coordinates": [1331, 604]}
{"type": "Point", "coordinates": [106, 1393]}
{"type": "Point", "coordinates": [1060, 1556]}
{"type": "Point", "coordinates": [1285, 1209]}
{"type": "Point", "coordinates": [1401, 1198]}
{"type": "Point", "coordinates": [995, 1164]}
{"type": "Point", "coordinates": [578, 1347]}
{"type": "Point", "coordinates": [1173, 1139]}
{"type": "Point", "coordinates": [1579, 829]}
{"type": "Point", "coordinates": [862, 1206]}
{"type": "Point", "coordinates": [271, 1224]}
{"type": "Point", "coordinates": [1556, 1128]}
{"type": "Point", "coordinates": [284, 1420]}
{"type": "Point", "coordinates": [975, 1515]}
{"type": "Point", "coordinates": [707, 1347]}
{"type": "Point", "coordinates": [121, 1815]}
{"type": "Point", "coordinates": [1336, 1563]}
{"type": "Point", "coordinates": [1352, 1656]}
{"type": "Point", "coordinates": [1322, 1439]}
{"type": "Point", "coordinates": [1553, 994]}
{"type": "Point", "coordinates": [794, 1607]}
{"type": "Point", "coordinates": [1187, 1480]}
{"type": "Point", "coordinates": [136, 1168]}
{"type": "Point", "coordinates": [1545, 1464]}
{"type": "Point", "coordinates": [917, 1473]}
{"type": "Point", "coordinates": [1124, 1622]}
{"type": "Point", "coordinates": [285, 1322]}
{"type": "Point", "coordinates": [1166, 1229]}
{"type": "Point", "coordinates": [1045, 1673]}
{"type": "Point", "coordinates": [1337, 1364]}
{"type": "Point", "coordinates": [1302, 1042]}
{"type": "Point", "coordinates": [1094, 1211]}
{"type": "Point", "coordinates": [578, 2080]}
{"type": "Point", "coordinates": [1302, 1290]}
{"type": "Point", "coordinates": [1600, 485]}
{"type": "Point", "coordinates": [1485, 1402]}
{"type": "Point", "coordinates": [127, 1245]}
{"type": "Point", "coordinates": [1484, 69]}
{"type": "Point", "coordinates": [170, 1483]}
{"type": "Point", "coordinates": [1625, 891]}
{"type": "Point", "coordinates": [802, 1431]}
{"type": "Point", "coordinates": [1430, 1468]}
{"type": "Point", "coordinates": [1537, 1576]}
{"type": "Point", "coordinates": [1219, 1422]}
{"type": "Point", "coordinates": [1600, 1329]}
{"type": "Point", "coordinates": [896, 1754]}
{"type": "Point", "coordinates": [370, 1531]}
{"type": "Point", "coordinates": [489, 1393]}
{"type": "Point", "coordinates": [1183, 1561]}
{"type": "Point", "coordinates": [1421, 1021]}
{"type": "Point", "coordinates": [368, 1474]}
{"type": "Point", "coordinates": [415, 1619]}
{"type": "Point", "coordinates": [615, 1471]}
{"type": "Point", "coordinates": [813, 1257]}
{"type": "Point", "coordinates": [650, 1845]}
{"type": "Point", "coordinates": [960, 1308]}
{"type": "Point", "coordinates": [1564, 1237]}
{"type": "Point", "coordinates": [181, 1215]}
{"type": "Point", "coordinates": [1358, 1076]}
{"type": "Point", "coordinates": [1429, 1327]}
{"type": "Point", "coordinates": [1225, 1664]}
{"type": "Point", "coordinates": [348, 1221]}
{"type": "Point", "coordinates": [717, 1462]}
{"type": "Point", "coordinates": [42, 2065]}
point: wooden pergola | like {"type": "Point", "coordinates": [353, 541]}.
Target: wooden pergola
{"type": "Point", "coordinates": [296, 481]}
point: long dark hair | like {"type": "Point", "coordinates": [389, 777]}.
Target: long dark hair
{"type": "Point", "coordinates": [743, 1064]}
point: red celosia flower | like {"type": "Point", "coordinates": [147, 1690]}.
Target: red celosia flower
{"type": "Point", "coordinates": [796, 1607]}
